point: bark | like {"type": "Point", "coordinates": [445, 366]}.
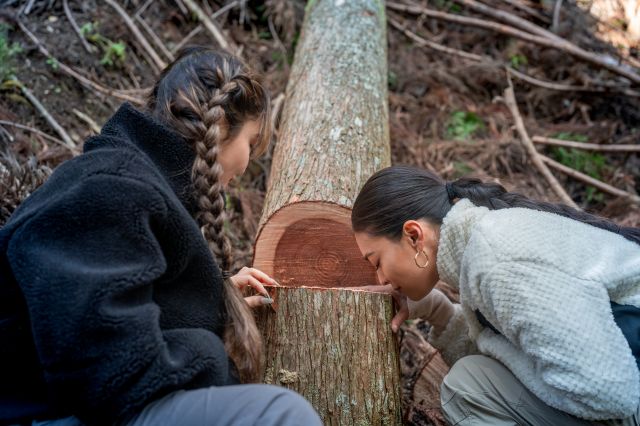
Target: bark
{"type": "Point", "coordinates": [334, 347]}
{"type": "Point", "coordinates": [327, 340]}
{"type": "Point", "coordinates": [335, 128]}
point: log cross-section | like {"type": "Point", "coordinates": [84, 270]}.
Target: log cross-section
{"type": "Point", "coordinates": [326, 339]}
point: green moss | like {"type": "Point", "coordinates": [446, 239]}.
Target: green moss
{"type": "Point", "coordinates": [8, 52]}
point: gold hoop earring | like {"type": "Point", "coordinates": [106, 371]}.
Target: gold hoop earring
{"type": "Point", "coordinates": [415, 259]}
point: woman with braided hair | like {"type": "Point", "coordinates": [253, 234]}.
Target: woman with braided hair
{"type": "Point", "coordinates": [116, 301]}
{"type": "Point", "coordinates": [547, 331]}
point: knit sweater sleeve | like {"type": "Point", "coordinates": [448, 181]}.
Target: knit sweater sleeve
{"type": "Point", "coordinates": [449, 331]}
{"type": "Point", "coordinates": [454, 341]}
{"type": "Point", "coordinates": [560, 339]}
{"type": "Point", "coordinates": [86, 263]}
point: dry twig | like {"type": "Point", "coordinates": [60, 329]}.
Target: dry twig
{"type": "Point", "coordinates": [199, 28]}
{"type": "Point", "coordinates": [47, 116]}
{"type": "Point", "coordinates": [520, 75]}
{"type": "Point", "coordinates": [154, 37]}
{"type": "Point", "coordinates": [74, 25]}
{"type": "Point", "coordinates": [570, 88]}
{"type": "Point", "coordinates": [37, 132]}
{"type": "Point", "coordinates": [90, 121]}
{"type": "Point", "coordinates": [435, 46]}
{"type": "Point", "coordinates": [556, 16]}
{"type": "Point", "coordinates": [531, 11]}
{"type": "Point", "coordinates": [142, 8]}
{"type": "Point", "coordinates": [510, 101]}
{"type": "Point", "coordinates": [211, 26]}
{"type": "Point", "coordinates": [586, 146]}
{"type": "Point", "coordinates": [604, 187]}
{"type": "Point", "coordinates": [72, 72]}
{"type": "Point", "coordinates": [137, 34]}
{"type": "Point", "coordinates": [553, 43]}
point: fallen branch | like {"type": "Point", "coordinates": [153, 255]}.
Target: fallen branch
{"type": "Point", "coordinates": [570, 88]}
{"type": "Point", "coordinates": [90, 121]}
{"type": "Point", "coordinates": [182, 7]}
{"type": "Point", "coordinates": [586, 146]}
{"type": "Point", "coordinates": [519, 22]}
{"type": "Point", "coordinates": [510, 101]}
{"type": "Point", "coordinates": [210, 26]}
{"type": "Point", "coordinates": [509, 18]}
{"type": "Point", "coordinates": [514, 32]}
{"type": "Point", "coordinates": [435, 46]}
{"type": "Point", "coordinates": [142, 8]}
{"type": "Point", "coordinates": [520, 75]}
{"type": "Point", "coordinates": [76, 29]}
{"type": "Point", "coordinates": [47, 116]}
{"type": "Point", "coordinates": [137, 34]}
{"type": "Point", "coordinates": [27, 8]}
{"type": "Point", "coordinates": [531, 11]}
{"type": "Point", "coordinates": [604, 187]}
{"type": "Point", "coordinates": [156, 40]}
{"type": "Point", "coordinates": [37, 132]}
{"type": "Point", "coordinates": [199, 28]}
{"type": "Point", "coordinates": [72, 72]}
{"type": "Point", "coordinates": [556, 16]}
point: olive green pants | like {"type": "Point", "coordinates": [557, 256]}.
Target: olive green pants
{"type": "Point", "coordinates": [481, 391]}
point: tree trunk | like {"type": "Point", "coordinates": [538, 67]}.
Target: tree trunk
{"type": "Point", "coordinates": [327, 340]}
{"type": "Point", "coordinates": [335, 128]}
{"type": "Point", "coordinates": [335, 348]}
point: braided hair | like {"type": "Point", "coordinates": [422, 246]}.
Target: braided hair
{"type": "Point", "coordinates": [207, 96]}
{"type": "Point", "coordinates": [396, 194]}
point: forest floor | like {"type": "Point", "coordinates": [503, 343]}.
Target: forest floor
{"type": "Point", "coordinates": [446, 111]}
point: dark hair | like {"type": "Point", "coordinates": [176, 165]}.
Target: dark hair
{"type": "Point", "coordinates": [206, 96]}
{"type": "Point", "coordinates": [396, 194]}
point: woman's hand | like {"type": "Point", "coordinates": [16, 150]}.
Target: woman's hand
{"type": "Point", "coordinates": [253, 278]}
{"type": "Point", "coordinates": [401, 302]}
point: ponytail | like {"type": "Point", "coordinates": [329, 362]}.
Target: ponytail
{"type": "Point", "coordinates": [396, 194]}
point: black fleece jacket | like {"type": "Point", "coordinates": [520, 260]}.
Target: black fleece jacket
{"type": "Point", "coordinates": [109, 297]}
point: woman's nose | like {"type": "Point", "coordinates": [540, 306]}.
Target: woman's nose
{"type": "Point", "coordinates": [382, 280]}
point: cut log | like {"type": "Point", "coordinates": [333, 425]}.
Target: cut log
{"type": "Point", "coordinates": [335, 122]}
{"type": "Point", "coordinates": [334, 347]}
{"type": "Point", "coordinates": [327, 340]}
{"type": "Point", "coordinates": [310, 244]}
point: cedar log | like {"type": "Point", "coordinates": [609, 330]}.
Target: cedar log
{"type": "Point", "coordinates": [327, 340]}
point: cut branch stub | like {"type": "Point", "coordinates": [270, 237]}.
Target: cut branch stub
{"type": "Point", "coordinates": [310, 244]}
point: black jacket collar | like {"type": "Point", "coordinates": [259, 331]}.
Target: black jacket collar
{"type": "Point", "coordinates": [170, 152]}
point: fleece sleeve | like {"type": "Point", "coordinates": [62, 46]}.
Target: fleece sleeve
{"type": "Point", "coordinates": [449, 332]}
{"type": "Point", "coordinates": [86, 263]}
{"type": "Point", "coordinates": [560, 338]}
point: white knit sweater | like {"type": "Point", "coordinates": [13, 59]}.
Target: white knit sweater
{"type": "Point", "coordinates": [545, 282]}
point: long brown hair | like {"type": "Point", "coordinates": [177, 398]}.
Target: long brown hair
{"type": "Point", "coordinates": [206, 96]}
{"type": "Point", "coordinates": [396, 194]}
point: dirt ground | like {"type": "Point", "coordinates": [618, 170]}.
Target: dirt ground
{"type": "Point", "coordinates": [445, 112]}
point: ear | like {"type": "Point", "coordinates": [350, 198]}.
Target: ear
{"type": "Point", "coordinates": [413, 231]}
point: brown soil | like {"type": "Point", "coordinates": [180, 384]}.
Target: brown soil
{"type": "Point", "coordinates": [427, 89]}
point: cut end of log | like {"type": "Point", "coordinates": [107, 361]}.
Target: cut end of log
{"type": "Point", "coordinates": [310, 244]}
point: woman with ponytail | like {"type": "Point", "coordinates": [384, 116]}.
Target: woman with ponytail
{"type": "Point", "coordinates": [547, 331]}
{"type": "Point", "coordinates": [117, 303]}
